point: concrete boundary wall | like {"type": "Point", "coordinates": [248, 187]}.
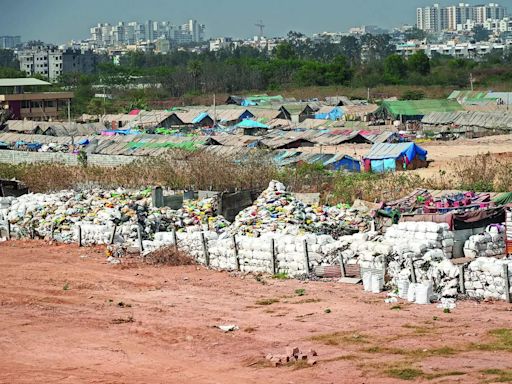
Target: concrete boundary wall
{"type": "Point", "coordinates": [19, 157]}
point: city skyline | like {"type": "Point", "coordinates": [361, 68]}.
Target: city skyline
{"type": "Point", "coordinates": [31, 20]}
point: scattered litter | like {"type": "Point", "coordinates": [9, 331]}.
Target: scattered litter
{"type": "Point", "coordinates": [228, 328]}
{"type": "Point", "coordinates": [447, 303]}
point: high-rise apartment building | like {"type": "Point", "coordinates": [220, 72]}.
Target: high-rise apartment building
{"type": "Point", "coordinates": [456, 17]}
{"type": "Point", "coordinates": [9, 42]}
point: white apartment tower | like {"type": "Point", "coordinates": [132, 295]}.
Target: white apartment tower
{"type": "Point", "coordinates": [457, 17]}
{"type": "Point", "coordinates": [429, 18]}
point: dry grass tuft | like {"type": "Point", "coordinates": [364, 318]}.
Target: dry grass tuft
{"type": "Point", "coordinates": [340, 338]}
{"type": "Point", "coordinates": [169, 256]}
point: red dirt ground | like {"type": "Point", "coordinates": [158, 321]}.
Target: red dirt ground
{"type": "Point", "coordinates": [61, 321]}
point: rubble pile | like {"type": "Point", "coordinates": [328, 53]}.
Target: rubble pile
{"type": "Point", "coordinates": [488, 244]}
{"type": "Point", "coordinates": [277, 210]}
{"type": "Point", "coordinates": [485, 278]}
{"type": "Point", "coordinates": [292, 355]}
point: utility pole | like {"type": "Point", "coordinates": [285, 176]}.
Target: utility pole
{"type": "Point", "coordinates": [471, 80]}
{"type": "Point", "coordinates": [214, 111]}
{"type": "Point", "coordinates": [69, 121]}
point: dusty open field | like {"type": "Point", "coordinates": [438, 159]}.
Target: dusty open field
{"type": "Point", "coordinates": [68, 317]}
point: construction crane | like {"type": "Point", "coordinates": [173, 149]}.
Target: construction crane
{"type": "Point", "coordinates": [260, 25]}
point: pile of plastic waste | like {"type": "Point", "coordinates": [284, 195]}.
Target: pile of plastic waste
{"type": "Point", "coordinates": [40, 215]}
{"type": "Point", "coordinates": [277, 210]}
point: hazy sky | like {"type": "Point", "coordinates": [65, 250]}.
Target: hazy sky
{"type": "Point", "coordinates": [59, 21]}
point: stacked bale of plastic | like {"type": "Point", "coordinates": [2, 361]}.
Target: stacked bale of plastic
{"type": "Point", "coordinates": [491, 243]}
{"type": "Point", "coordinates": [485, 278]}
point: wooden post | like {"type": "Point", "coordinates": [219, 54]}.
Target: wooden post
{"type": "Point", "coordinates": [506, 276]}
{"type": "Point", "coordinates": [79, 235]}
{"type": "Point", "coordinates": [462, 285]}
{"type": "Point", "coordinates": [174, 238]}
{"type": "Point", "coordinates": [8, 230]}
{"type": "Point", "coordinates": [342, 267]}
{"type": "Point", "coordinates": [139, 238]}
{"type": "Point", "coordinates": [205, 250]}
{"type": "Point", "coordinates": [237, 258]}
{"type": "Point", "coordinates": [306, 256]}
{"type": "Point", "coordinates": [273, 250]}
{"type": "Point", "coordinates": [413, 274]}
{"type": "Point", "coordinates": [52, 230]}
{"type": "Point", "coordinates": [113, 235]}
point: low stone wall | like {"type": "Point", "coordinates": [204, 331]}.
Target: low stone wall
{"type": "Point", "coordinates": [19, 157]}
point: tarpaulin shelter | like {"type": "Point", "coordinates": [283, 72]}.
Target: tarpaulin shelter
{"type": "Point", "coordinates": [247, 123]}
{"type": "Point", "coordinates": [343, 162]}
{"type": "Point", "coordinates": [386, 157]}
{"type": "Point", "coordinates": [329, 113]}
{"type": "Point", "coordinates": [405, 110]}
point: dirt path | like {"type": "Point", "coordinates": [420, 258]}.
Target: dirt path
{"type": "Point", "coordinates": [68, 317]}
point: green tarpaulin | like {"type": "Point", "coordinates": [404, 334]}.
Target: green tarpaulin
{"type": "Point", "coordinates": [503, 199]}
{"type": "Point", "coordinates": [397, 109]}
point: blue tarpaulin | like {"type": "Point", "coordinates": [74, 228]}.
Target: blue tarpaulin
{"type": "Point", "coordinates": [335, 114]}
{"type": "Point", "coordinates": [248, 103]}
{"type": "Point", "coordinates": [383, 156]}
{"type": "Point", "coordinates": [199, 118]}
{"type": "Point", "coordinates": [384, 151]}
{"type": "Point", "coordinates": [251, 124]}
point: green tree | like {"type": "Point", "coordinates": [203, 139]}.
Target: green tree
{"type": "Point", "coordinates": [415, 34]}
{"type": "Point", "coordinates": [395, 67]}
{"type": "Point", "coordinates": [8, 59]}
{"type": "Point", "coordinates": [420, 63]}
{"type": "Point", "coordinates": [285, 51]}
{"type": "Point", "coordinates": [195, 69]}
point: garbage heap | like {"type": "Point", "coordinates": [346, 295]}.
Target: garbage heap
{"type": "Point", "coordinates": [40, 215]}
{"type": "Point", "coordinates": [488, 244]}
{"type": "Point", "coordinates": [278, 211]}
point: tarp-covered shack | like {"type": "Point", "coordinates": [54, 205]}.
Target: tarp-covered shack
{"type": "Point", "coordinates": [406, 110]}
{"type": "Point", "coordinates": [386, 157]}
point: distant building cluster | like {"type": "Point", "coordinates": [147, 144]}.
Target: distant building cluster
{"type": "Point", "coordinates": [463, 17]}
{"type": "Point", "coordinates": [452, 48]}
{"type": "Point", "coordinates": [9, 42]}
{"type": "Point", "coordinates": [131, 33]}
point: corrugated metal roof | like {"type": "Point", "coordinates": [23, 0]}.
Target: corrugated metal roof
{"type": "Point", "coordinates": [22, 82]}
{"type": "Point", "coordinates": [387, 151]}
{"type": "Point", "coordinates": [488, 120]}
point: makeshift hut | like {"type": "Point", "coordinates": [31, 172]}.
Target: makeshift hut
{"type": "Point", "coordinates": [251, 127]}
{"type": "Point", "coordinates": [386, 157]}
{"type": "Point", "coordinates": [414, 110]}
{"type": "Point", "coordinates": [343, 162]}
{"type": "Point", "coordinates": [329, 113]}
